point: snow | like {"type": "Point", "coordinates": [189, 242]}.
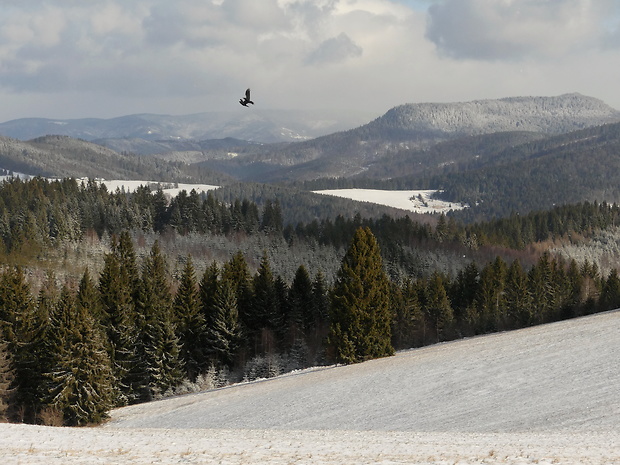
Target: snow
{"type": "Point", "coordinates": [547, 394]}
{"type": "Point", "coordinates": [418, 201]}
{"type": "Point", "coordinates": [171, 189]}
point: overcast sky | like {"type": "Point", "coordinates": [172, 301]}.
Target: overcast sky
{"type": "Point", "coordinates": [106, 58]}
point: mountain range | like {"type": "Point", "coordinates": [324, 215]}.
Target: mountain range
{"type": "Point", "coordinates": [262, 126]}
{"type": "Point", "coordinates": [487, 153]}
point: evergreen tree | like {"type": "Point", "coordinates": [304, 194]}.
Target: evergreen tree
{"type": "Point", "coordinates": [80, 383]}
{"type": "Point", "coordinates": [517, 296]}
{"type": "Point", "coordinates": [540, 280]}
{"type": "Point", "coordinates": [158, 345]}
{"type": "Point", "coordinates": [610, 294]}
{"type": "Point", "coordinates": [360, 314]}
{"type": "Point", "coordinates": [409, 318]}
{"type": "Point", "coordinates": [207, 291]}
{"type": "Point", "coordinates": [302, 316]}
{"type": "Point", "coordinates": [264, 307]}
{"type": "Point", "coordinates": [224, 333]}
{"type": "Point", "coordinates": [236, 271]}
{"type": "Point", "coordinates": [438, 308]}
{"type": "Point", "coordinates": [27, 332]}
{"type": "Point", "coordinates": [118, 313]}
{"type": "Point", "coordinates": [490, 298]}
{"type": "Point", "coordinates": [190, 322]}
{"type": "Point", "coordinates": [6, 379]}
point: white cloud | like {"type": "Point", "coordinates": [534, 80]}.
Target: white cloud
{"type": "Point", "coordinates": [515, 29]}
{"type": "Point", "coordinates": [113, 57]}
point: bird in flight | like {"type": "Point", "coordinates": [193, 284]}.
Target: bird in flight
{"type": "Point", "coordinates": [244, 101]}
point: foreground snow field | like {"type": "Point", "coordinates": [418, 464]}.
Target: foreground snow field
{"type": "Point", "coordinates": [547, 394]}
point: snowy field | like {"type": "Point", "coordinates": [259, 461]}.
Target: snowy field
{"type": "Point", "coordinates": [543, 395]}
{"type": "Point", "coordinates": [418, 201]}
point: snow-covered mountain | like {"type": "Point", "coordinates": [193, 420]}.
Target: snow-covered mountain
{"type": "Point", "coordinates": [560, 114]}
{"type": "Point", "coordinates": [545, 394]}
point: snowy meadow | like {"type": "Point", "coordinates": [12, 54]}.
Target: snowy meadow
{"type": "Point", "coordinates": [546, 394]}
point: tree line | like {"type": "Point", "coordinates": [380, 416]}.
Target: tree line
{"type": "Point", "coordinates": [74, 352]}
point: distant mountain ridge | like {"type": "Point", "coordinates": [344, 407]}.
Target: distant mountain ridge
{"type": "Point", "coordinates": [415, 127]}
{"type": "Point", "coordinates": [258, 125]}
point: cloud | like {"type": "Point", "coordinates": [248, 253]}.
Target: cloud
{"type": "Point", "coordinates": [515, 29]}
{"type": "Point", "coordinates": [70, 58]}
{"type": "Point", "coordinates": [334, 50]}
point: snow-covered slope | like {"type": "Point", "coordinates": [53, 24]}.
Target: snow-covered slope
{"type": "Point", "coordinates": [547, 394]}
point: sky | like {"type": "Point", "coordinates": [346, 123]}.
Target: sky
{"type": "Point", "coordinates": [104, 58]}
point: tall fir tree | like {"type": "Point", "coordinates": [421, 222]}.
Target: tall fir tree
{"type": "Point", "coordinates": [517, 297]}
{"type": "Point", "coordinates": [237, 272]}
{"type": "Point", "coordinates": [262, 325]}
{"type": "Point", "coordinates": [361, 319]}
{"type": "Point", "coordinates": [190, 322]}
{"type": "Point", "coordinates": [224, 332]}
{"type": "Point", "coordinates": [118, 318]}
{"type": "Point", "coordinates": [27, 339]}
{"type": "Point", "coordinates": [438, 308]}
{"type": "Point", "coordinates": [7, 375]}
{"type": "Point", "coordinates": [302, 316]}
{"type": "Point", "coordinates": [80, 384]}
{"type": "Point", "coordinates": [158, 345]}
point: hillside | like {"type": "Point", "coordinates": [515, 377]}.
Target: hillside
{"type": "Point", "coordinates": [63, 156]}
{"type": "Point", "coordinates": [575, 167]}
{"type": "Point", "coordinates": [546, 394]}
{"type": "Point", "coordinates": [414, 127]}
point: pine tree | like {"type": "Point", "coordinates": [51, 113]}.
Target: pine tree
{"type": "Point", "coordinates": [158, 345]}
{"type": "Point", "coordinates": [517, 296]}
{"type": "Point", "coordinates": [190, 322]}
{"type": "Point", "coordinates": [360, 315]}
{"type": "Point", "coordinates": [610, 294]}
{"type": "Point", "coordinates": [118, 311]}
{"type": "Point", "coordinates": [262, 324]}
{"type": "Point", "coordinates": [236, 271]}
{"type": "Point", "coordinates": [302, 316]}
{"type": "Point", "coordinates": [208, 289]}
{"type": "Point", "coordinates": [408, 319]}
{"type": "Point", "coordinates": [438, 308]}
{"type": "Point", "coordinates": [27, 332]}
{"type": "Point", "coordinates": [224, 332]}
{"type": "Point", "coordinates": [6, 379]}
{"type": "Point", "coordinates": [80, 384]}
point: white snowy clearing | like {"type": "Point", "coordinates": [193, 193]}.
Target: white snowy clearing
{"type": "Point", "coordinates": [547, 394]}
{"type": "Point", "coordinates": [418, 201]}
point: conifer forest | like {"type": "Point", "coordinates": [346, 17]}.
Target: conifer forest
{"type": "Point", "coordinates": [134, 327]}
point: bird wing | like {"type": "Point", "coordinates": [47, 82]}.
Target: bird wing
{"type": "Point", "coordinates": [247, 94]}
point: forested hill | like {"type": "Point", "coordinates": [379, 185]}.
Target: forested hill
{"type": "Point", "coordinates": [416, 126]}
{"type": "Point", "coordinates": [575, 167]}
{"type": "Point", "coordinates": [63, 156]}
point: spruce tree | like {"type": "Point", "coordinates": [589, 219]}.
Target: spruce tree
{"type": "Point", "coordinates": [236, 271]}
{"type": "Point", "coordinates": [118, 312]}
{"type": "Point", "coordinates": [262, 324]}
{"type": "Point", "coordinates": [438, 308]}
{"type": "Point", "coordinates": [27, 339]}
{"type": "Point", "coordinates": [6, 379]}
{"type": "Point", "coordinates": [610, 294]}
{"type": "Point", "coordinates": [361, 319]}
{"type": "Point", "coordinates": [190, 322]}
{"type": "Point", "coordinates": [158, 345]}
{"type": "Point", "coordinates": [517, 296]}
{"type": "Point", "coordinates": [302, 317]}
{"type": "Point", "coordinates": [224, 332]}
{"type": "Point", "coordinates": [81, 381]}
